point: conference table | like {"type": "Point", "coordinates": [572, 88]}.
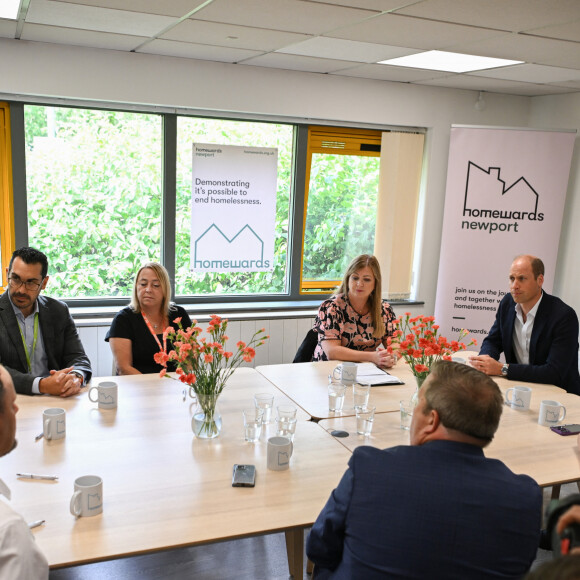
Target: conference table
{"type": "Point", "coordinates": [163, 488]}
{"type": "Point", "coordinates": [307, 385]}
{"type": "Point", "coordinates": [520, 442]}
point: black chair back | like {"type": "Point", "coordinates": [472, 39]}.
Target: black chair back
{"type": "Point", "coordinates": [305, 351]}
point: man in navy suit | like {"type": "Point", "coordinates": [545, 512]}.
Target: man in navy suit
{"type": "Point", "coordinates": [438, 508]}
{"type": "Point", "coordinates": [537, 333]}
{"type": "Point", "coordinates": [39, 343]}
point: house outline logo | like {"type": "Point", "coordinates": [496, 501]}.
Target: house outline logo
{"type": "Point", "coordinates": [246, 256]}
{"type": "Point", "coordinates": [488, 197]}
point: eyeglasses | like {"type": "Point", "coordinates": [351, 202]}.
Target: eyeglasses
{"type": "Point", "coordinates": [31, 285]}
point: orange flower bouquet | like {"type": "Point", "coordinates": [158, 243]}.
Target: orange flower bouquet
{"type": "Point", "coordinates": [416, 340]}
{"type": "Point", "coordinates": [205, 365]}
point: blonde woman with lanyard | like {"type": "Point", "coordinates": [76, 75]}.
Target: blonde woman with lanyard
{"type": "Point", "coordinates": [136, 333]}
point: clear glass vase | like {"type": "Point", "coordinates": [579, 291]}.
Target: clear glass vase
{"type": "Point", "coordinates": [420, 380]}
{"type": "Point", "coordinates": [206, 422]}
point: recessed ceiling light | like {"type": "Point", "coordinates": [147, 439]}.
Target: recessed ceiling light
{"type": "Point", "coordinates": [449, 61]}
{"type": "Point", "coordinates": [9, 9]}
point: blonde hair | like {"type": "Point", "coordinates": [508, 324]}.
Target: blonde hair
{"type": "Point", "coordinates": [375, 299]}
{"type": "Point", "coordinates": [163, 277]}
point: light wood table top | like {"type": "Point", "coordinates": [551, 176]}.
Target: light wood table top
{"type": "Point", "coordinates": [520, 442]}
{"type": "Point", "coordinates": [162, 487]}
{"type": "Point", "coordinates": [307, 385]}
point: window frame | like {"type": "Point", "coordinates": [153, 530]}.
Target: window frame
{"type": "Point", "coordinates": [99, 307]}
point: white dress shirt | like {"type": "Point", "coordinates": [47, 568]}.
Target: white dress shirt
{"type": "Point", "coordinates": [523, 332]}
{"type": "Point", "coordinates": [20, 557]}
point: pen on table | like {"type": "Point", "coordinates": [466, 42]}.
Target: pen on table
{"type": "Point", "coordinates": [34, 476]}
{"type": "Point", "coordinates": [36, 523]}
{"type": "Point", "coordinates": [39, 436]}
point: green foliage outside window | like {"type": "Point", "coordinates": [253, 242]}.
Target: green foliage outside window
{"type": "Point", "coordinates": [341, 215]}
{"type": "Point", "coordinates": [94, 196]}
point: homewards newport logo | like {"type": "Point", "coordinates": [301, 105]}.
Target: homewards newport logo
{"type": "Point", "coordinates": [497, 207]}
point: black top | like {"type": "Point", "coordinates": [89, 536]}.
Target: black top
{"type": "Point", "coordinates": [128, 324]}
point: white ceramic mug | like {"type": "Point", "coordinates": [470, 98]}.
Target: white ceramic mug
{"type": "Point", "coordinates": [54, 423]}
{"type": "Point", "coordinates": [279, 452]}
{"type": "Point", "coordinates": [345, 372]}
{"type": "Point", "coordinates": [551, 413]}
{"type": "Point", "coordinates": [520, 398]}
{"type": "Point", "coordinates": [106, 395]}
{"type": "Point", "coordinates": [87, 499]}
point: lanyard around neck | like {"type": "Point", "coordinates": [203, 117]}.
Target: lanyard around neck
{"type": "Point", "coordinates": [29, 356]}
{"type": "Point", "coordinates": [164, 347]}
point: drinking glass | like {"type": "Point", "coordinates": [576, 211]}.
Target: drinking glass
{"type": "Point", "coordinates": [407, 408]}
{"type": "Point", "coordinates": [265, 401]}
{"type": "Point", "coordinates": [364, 420]}
{"type": "Point", "coordinates": [253, 423]}
{"type": "Point", "coordinates": [336, 391]}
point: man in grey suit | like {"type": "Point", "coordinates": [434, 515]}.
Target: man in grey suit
{"type": "Point", "coordinates": [39, 343]}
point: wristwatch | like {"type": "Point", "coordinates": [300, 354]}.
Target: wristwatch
{"type": "Point", "coordinates": [504, 370]}
{"type": "Point", "coordinates": [79, 375]}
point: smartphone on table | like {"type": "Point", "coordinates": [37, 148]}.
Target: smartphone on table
{"type": "Point", "coordinates": [572, 429]}
{"type": "Point", "coordinates": [244, 476]}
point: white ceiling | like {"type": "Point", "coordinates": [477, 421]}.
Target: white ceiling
{"type": "Point", "coordinates": [337, 37]}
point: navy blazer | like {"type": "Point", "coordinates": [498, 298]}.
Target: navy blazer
{"type": "Point", "coordinates": [437, 510]}
{"type": "Point", "coordinates": [553, 345]}
{"type": "Point", "coordinates": [59, 334]}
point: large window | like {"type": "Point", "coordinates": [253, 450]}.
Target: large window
{"type": "Point", "coordinates": [103, 191]}
{"type": "Point", "coordinates": [94, 196]}
{"type": "Point", "coordinates": [220, 132]}
{"type": "Point", "coordinates": [343, 169]}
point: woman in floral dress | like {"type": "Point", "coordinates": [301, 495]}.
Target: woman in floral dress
{"type": "Point", "coordinates": [355, 321]}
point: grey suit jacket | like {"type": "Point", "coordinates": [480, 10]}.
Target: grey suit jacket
{"type": "Point", "coordinates": [60, 337]}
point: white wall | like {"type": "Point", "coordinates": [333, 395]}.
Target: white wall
{"type": "Point", "coordinates": [46, 70]}
{"type": "Point", "coordinates": [563, 112]}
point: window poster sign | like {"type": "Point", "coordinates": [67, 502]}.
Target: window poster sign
{"type": "Point", "coordinates": [233, 208]}
{"type": "Point", "coordinates": [505, 196]}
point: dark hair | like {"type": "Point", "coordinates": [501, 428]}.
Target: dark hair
{"type": "Point", "coordinates": [466, 399]}
{"type": "Point", "coordinates": [31, 256]}
{"type": "Point", "coordinates": [2, 393]}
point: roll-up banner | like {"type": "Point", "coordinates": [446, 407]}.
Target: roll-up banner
{"type": "Point", "coordinates": [505, 196]}
{"type": "Point", "coordinates": [233, 208]}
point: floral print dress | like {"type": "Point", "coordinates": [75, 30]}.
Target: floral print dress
{"type": "Point", "coordinates": [338, 320]}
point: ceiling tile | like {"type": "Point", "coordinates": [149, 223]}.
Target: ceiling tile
{"type": "Point", "coordinates": [91, 18]}
{"type": "Point", "coordinates": [197, 51]}
{"type": "Point", "coordinates": [410, 32]}
{"type": "Point", "coordinates": [378, 5]}
{"type": "Point", "coordinates": [390, 73]}
{"type": "Point", "coordinates": [229, 35]}
{"type": "Point", "coordinates": [531, 73]}
{"type": "Point", "coordinates": [176, 8]}
{"type": "Point", "coordinates": [567, 31]}
{"type": "Point", "coordinates": [530, 49]}
{"type": "Point", "coordinates": [289, 15]}
{"type": "Point", "coordinates": [473, 83]}
{"type": "Point", "coordinates": [293, 62]}
{"type": "Point", "coordinates": [58, 35]}
{"type": "Point", "coordinates": [7, 28]}
{"type": "Point", "coordinates": [512, 15]}
{"type": "Point", "coordinates": [338, 48]}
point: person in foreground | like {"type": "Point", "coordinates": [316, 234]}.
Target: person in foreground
{"type": "Point", "coordinates": [437, 508]}
{"type": "Point", "coordinates": [537, 333]}
{"type": "Point", "coordinates": [20, 558]}
{"type": "Point", "coordinates": [355, 321]}
{"type": "Point", "coordinates": [39, 343]}
{"type": "Point", "coordinates": [136, 333]}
